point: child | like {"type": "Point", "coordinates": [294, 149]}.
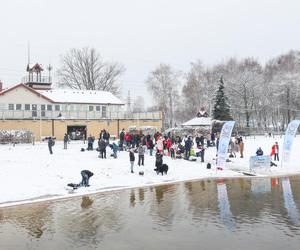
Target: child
{"type": "Point", "coordinates": [131, 158]}
{"type": "Point", "coordinates": [141, 152]}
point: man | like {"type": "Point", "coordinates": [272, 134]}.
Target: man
{"type": "Point", "coordinates": [122, 137]}
{"type": "Point", "coordinates": [86, 175]}
{"type": "Point", "coordinates": [187, 146]}
{"type": "Point", "coordinates": [275, 151]}
{"type": "Point", "coordinates": [102, 148]}
{"type": "Point", "coordinates": [66, 139]}
{"type": "Point", "coordinates": [50, 144]}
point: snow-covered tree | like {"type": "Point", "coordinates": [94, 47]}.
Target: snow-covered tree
{"type": "Point", "coordinates": [221, 109]}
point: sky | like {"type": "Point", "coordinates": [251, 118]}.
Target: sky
{"type": "Point", "coordinates": [141, 34]}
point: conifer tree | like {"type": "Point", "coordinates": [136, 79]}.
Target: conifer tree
{"type": "Point", "coordinates": [221, 109]}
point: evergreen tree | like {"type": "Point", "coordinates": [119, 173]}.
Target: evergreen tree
{"type": "Point", "coordinates": [221, 108]}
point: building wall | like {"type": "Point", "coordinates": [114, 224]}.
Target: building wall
{"type": "Point", "coordinates": [58, 128]}
{"type": "Point", "coordinates": [23, 96]}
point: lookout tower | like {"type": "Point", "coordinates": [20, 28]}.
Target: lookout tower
{"type": "Point", "coordinates": [35, 80]}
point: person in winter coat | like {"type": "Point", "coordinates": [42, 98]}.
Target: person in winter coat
{"type": "Point", "coordinates": [102, 148]}
{"type": "Point", "coordinates": [90, 143]}
{"type": "Point", "coordinates": [141, 152]}
{"type": "Point", "coordinates": [241, 146]}
{"type": "Point", "coordinates": [114, 148]}
{"type": "Point", "coordinates": [122, 138]}
{"type": "Point", "coordinates": [259, 152]}
{"type": "Point", "coordinates": [131, 158]}
{"type": "Point", "coordinates": [275, 151]}
{"type": "Point", "coordinates": [208, 139]}
{"type": "Point", "coordinates": [159, 145]}
{"type": "Point", "coordinates": [128, 139]}
{"type": "Point", "coordinates": [50, 144]}
{"type": "Point", "coordinates": [187, 146]}
{"type": "Point", "coordinates": [66, 139]}
{"type": "Point", "coordinates": [150, 146]}
{"type": "Point", "coordinates": [201, 152]}
{"type": "Point", "coordinates": [86, 175]}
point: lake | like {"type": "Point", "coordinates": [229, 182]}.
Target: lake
{"type": "Point", "coordinates": [256, 213]}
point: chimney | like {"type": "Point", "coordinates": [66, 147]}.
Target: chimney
{"type": "Point", "coordinates": [1, 85]}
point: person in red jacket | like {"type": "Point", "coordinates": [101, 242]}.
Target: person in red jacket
{"type": "Point", "coordinates": [275, 151]}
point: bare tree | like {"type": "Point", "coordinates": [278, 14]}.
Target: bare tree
{"type": "Point", "coordinates": [85, 69]}
{"type": "Point", "coordinates": [163, 83]}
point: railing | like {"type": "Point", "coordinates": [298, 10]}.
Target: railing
{"type": "Point", "coordinates": [74, 115]}
{"type": "Point", "coordinates": [35, 79]}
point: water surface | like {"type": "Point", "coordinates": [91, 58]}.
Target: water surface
{"type": "Point", "coordinates": [207, 214]}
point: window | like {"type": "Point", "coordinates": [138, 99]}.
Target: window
{"type": "Point", "coordinates": [43, 107]}
{"type": "Point", "coordinates": [11, 106]}
{"type": "Point", "coordinates": [57, 107]}
{"type": "Point", "coordinates": [103, 111]}
{"type": "Point", "coordinates": [18, 106]}
{"type": "Point", "coordinates": [49, 107]}
{"type": "Point", "coordinates": [34, 110]}
{"type": "Point", "coordinates": [91, 108]}
{"type": "Point", "coordinates": [98, 108]}
{"type": "Point", "coordinates": [27, 106]}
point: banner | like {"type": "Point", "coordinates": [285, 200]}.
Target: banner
{"type": "Point", "coordinates": [223, 144]}
{"type": "Point", "coordinates": [288, 140]}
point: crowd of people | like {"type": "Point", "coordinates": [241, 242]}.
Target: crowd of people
{"type": "Point", "coordinates": [171, 145]}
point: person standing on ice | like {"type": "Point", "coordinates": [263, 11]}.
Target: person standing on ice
{"type": "Point", "coordinates": [122, 138]}
{"type": "Point", "coordinates": [187, 146]}
{"type": "Point", "coordinates": [141, 152]}
{"type": "Point", "coordinates": [50, 144]}
{"type": "Point", "coordinates": [275, 151]}
{"type": "Point", "coordinates": [131, 158]}
{"type": "Point", "coordinates": [66, 139]}
{"type": "Point", "coordinates": [241, 146]}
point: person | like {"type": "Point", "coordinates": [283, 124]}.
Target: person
{"type": "Point", "coordinates": [241, 146]}
{"type": "Point", "coordinates": [141, 152]}
{"type": "Point", "coordinates": [159, 145]}
{"type": "Point", "coordinates": [187, 146]}
{"type": "Point", "coordinates": [131, 158]}
{"type": "Point", "coordinates": [150, 145]}
{"type": "Point", "coordinates": [208, 139]}
{"type": "Point", "coordinates": [86, 175]}
{"type": "Point", "coordinates": [122, 138]}
{"type": "Point", "coordinates": [201, 152]}
{"type": "Point", "coordinates": [173, 149]}
{"type": "Point", "coordinates": [102, 148]}
{"type": "Point", "coordinates": [259, 152]}
{"type": "Point", "coordinates": [90, 143]}
{"type": "Point", "coordinates": [66, 139]}
{"type": "Point", "coordinates": [114, 148]}
{"type": "Point", "coordinates": [275, 151]}
{"type": "Point", "coordinates": [50, 144]}
{"type": "Point", "coordinates": [231, 148]}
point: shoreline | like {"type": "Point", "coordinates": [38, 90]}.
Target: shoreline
{"type": "Point", "coordinates": [54, 198]}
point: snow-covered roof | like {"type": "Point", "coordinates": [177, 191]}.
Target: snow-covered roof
{"type": "Point", "coordinates": [199, 121]}
{"type": "Point", "coordinates": [81, 96]}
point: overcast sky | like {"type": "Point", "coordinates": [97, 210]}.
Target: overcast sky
{"type": "Point", "coordinates": [143, 33]}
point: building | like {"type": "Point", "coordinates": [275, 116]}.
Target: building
{"type": "Point", "coordinates": [35, 106]}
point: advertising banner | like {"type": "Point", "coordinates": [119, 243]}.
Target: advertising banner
{"type": "Point", "coordinates": [223, 144]}
{"type": "Point", "coordinates": [289, 139]}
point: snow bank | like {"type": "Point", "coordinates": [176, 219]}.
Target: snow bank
{"type": "Point", "coordinates": [29, 172]}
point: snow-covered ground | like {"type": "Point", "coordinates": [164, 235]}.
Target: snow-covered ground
{"type": "Point", "coordinates": [30, 173]}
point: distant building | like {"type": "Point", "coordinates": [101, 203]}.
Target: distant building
{"type": "Point", "coordinates": [69, 110]}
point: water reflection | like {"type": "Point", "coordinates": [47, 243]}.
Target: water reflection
{"type": "Point", "coordinates": [289, 203]}
{"type": "Point", "coordinates": [176, 216]}
{"type": "Point", "coordinates": [224, 206]}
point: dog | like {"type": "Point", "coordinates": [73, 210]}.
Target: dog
{"type": "Point", "coordinates": [162, 169]}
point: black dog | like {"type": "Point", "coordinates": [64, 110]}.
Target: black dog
{"type": "Point", "coordinates": [162, 169]}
